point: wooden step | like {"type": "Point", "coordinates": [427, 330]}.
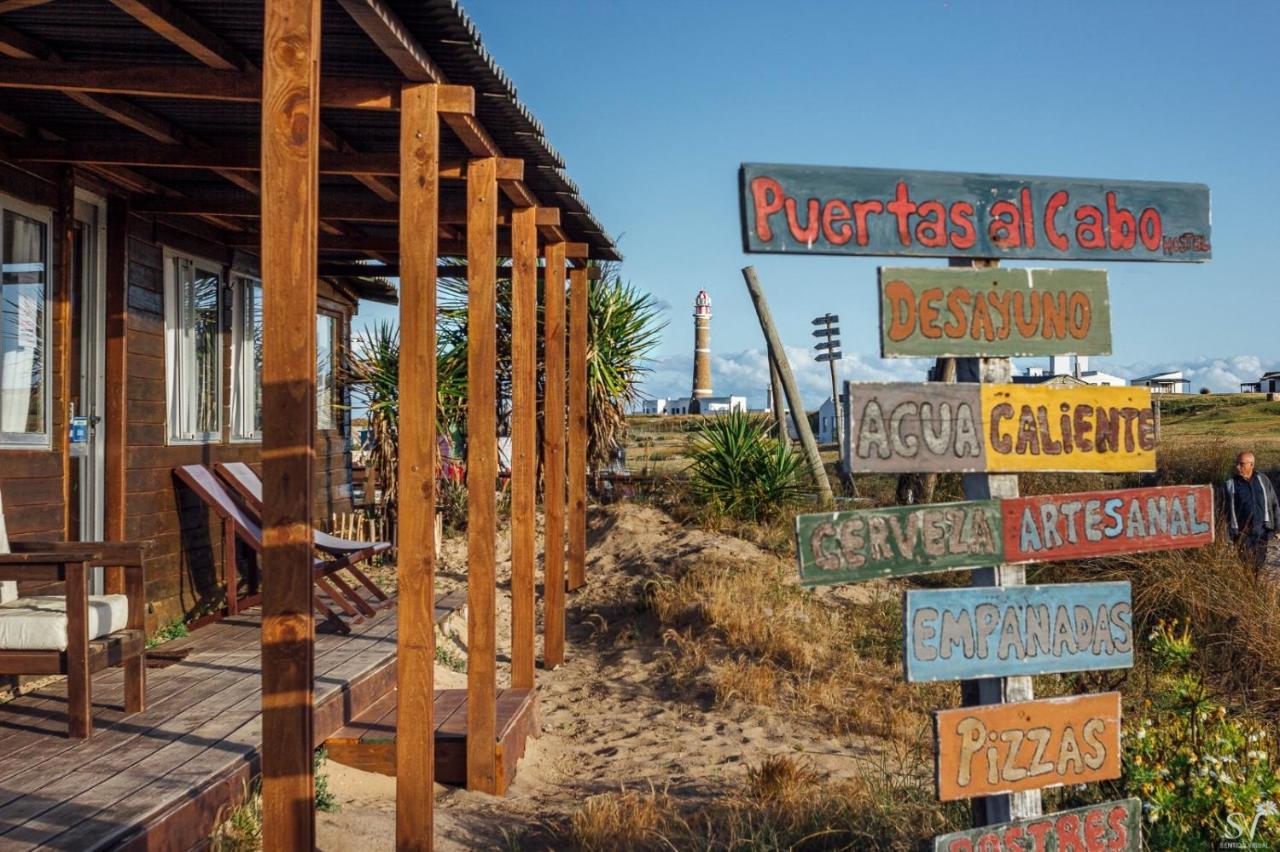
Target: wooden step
{"type": "Point", "coordinates": [368, 742]}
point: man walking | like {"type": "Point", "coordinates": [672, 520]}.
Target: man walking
{"type": "Point", "coordinates": [1251, 509]}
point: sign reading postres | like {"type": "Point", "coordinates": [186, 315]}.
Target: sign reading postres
{"type": "Point", "coordinates": [835, 210]}
{"type": "Point", "coordinates": [1111, 826]}
{"type": "Point", "coordinates": [943, 428]}
{"type": "Point", "coordinates": [946, 313]}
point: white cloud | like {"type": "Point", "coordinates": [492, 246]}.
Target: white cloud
{"type": "Point", "coordinates": [1221, 375]}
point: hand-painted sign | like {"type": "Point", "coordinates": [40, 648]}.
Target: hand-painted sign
{"type": "Point", "coordinates": [848, 547]}
{"type": "Point", "coordinates": [1106, 827]}
{"type": "Point", "coordinates": [835, 210]}
{"type": "Point", "coordinates": [909, 428]}
{"type": "Point", "coordinates": [1027, 745]}
{"type": "Point", "coordinates": [1007, 631]}
{"type": "Point", "coordinates": [937, 312]}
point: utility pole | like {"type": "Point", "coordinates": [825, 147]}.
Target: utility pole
{"type": "Point", "coordinates": [832, 354]}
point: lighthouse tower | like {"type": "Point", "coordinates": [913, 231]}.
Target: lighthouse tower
{"type": "Point", "coordinates": [701, 350]}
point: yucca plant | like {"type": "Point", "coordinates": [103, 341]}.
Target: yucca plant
{"type": "Point", "coordinates": [373, 374]}
{"type": "Point", "coordinates": [739, 469]}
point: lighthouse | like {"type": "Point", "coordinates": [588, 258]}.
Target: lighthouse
{"type": "Point", "coordinates": [701, 351]}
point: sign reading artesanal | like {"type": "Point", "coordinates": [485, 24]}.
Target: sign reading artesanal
{"type": "Point", "coordinates": [1106, 827]}
{"type": "Point", "coordinates": [888, 212]}
{"type": "Point", "coordinates": [910, 428]}
{"type": "Point", "coordinates": [1027, 745]}
{"type": "Point", "coordinates": [943, 313]}
{"type": "Point", "coordinates": [1008, 631]}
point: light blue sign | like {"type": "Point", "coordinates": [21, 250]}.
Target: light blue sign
{"type": "Point", "coordinates": [963, 634]}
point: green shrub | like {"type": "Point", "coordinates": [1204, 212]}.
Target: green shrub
{"type": "Point", "coordinates": [740, 470]}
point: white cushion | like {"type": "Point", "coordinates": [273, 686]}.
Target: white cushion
{"type": "Point", "coordinates": [8, 588]}
{"type": "Point", "coordinates": [39, 623]}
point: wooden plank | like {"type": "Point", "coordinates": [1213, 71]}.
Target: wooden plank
{"type": "Point", "coordinates": [290, 195]}
{"type": "Point", "coordinates": [524, 436]}
{"type": "Point", "coordinates": [1115, 825]}
{"type": "Point", "coordinates": [1027, 745]}
{"type": "Point", "coordinates": [175, 25]}
{"type": "Point", "coordinates": [151, 155]}
{"type": "Point", "coordinates": [419, 200]}
{"type": "Point", "coordinates": [553, 461]}
{"type": "Point", "coordinates": [994, 631]}
{"type": "Point", "coordinates": [18, 5]}
{"type": "Point", "coordinates": [1004, 428]}
{"type": "Point", "coordinates": [577, 449]}
{"type": "Point", "coordinates": [343, 206]}
{"type": "Point", "coordinates": [836, 210]}
{"type": "Point", "coordinates": [394, 39]}
{"type": "Point", "coordinates": [64, 245]}
{"type": "Point", "coordinates": [947, 313]}
{"type": "Point", "coordinates": [482, 472]}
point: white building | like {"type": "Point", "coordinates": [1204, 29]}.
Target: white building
{"type": "Point", "coordinates": [1171, 381]}
{"type": "Point", "coordinates": [1269, 383]}
{"type": "Point", "coordinates": [1075, 366]}
{"type": "Point", "coordinates": [681, 405]}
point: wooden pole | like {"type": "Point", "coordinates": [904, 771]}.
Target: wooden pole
{"type": "Point", "coordinates": [65, 246]}
{"type": "Point", "coordinates": [778, 397]}
{"type": "Point", "coordinates": [524, 450]}
{"type": "Point", "coordinates": [290, 191]}
{"type": "Point", "coordinates": [779, 357]}
{"type": "Point", "coordinates": [578, 301]}
{"type": "Point", "coordinates": [115, 448]}
{"type": "Point", "coordinates": [416, 559]}
{"type": "Point", "coordinates": [990, 810]}
{"type": "Point", "coordinates": [482, 474]}
{"type": "Point", "coordinates": [553, 459]}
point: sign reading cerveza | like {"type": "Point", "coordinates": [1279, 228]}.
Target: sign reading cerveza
{"type": "Point", "coordinates": [838, 210]}
{"type": "Point", "coordinates": [863, 544]}
{"type": "Point", "coordinates": [933, 427]}
{"type": "Point", "coordinates": [1114, 826]}
{"type": "Point", "coordinates": [1008, 631]}
{"type": "Point", "coordinates": [943, 313]}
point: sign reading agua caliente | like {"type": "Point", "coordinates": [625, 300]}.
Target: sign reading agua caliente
{"type": "Point", "coordinates": [1105, 827]}
{"type": "Point", "coordinates": [941, 428]}
{"type": "Point", "coordinates": [1027, 745]}
{"type": "Point", "coordinates": [1008, 631]}
{"type": "Point", "coordinates": [863, 544]}
{"type": "Point", "coordinates": [936, 313]}
{"type": "Point", "coordinates": [836, 210]}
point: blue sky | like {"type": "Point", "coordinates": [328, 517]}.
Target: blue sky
{"type": "Point", "coordinates": [655, 104]}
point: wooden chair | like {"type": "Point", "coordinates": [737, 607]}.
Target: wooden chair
{"type": "Point", "coordinates": [338, 601]}
{"type": "Point", "coordinates": [75, 634]}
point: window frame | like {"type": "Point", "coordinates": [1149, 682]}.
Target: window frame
{"type": "Point", "coordinates": [170, 255]}
{"type": "Point", "coordinates": [335, 386]}
{"type": "Point", "coordinates": [240, 281]}
{"type": "Point", "coordinates": [36, 441]}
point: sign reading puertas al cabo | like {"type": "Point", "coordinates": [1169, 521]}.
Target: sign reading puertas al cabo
{"type": "Point", "coordinates": [837, 210]}
{"type": "Point", "coordinates": [947, 313]}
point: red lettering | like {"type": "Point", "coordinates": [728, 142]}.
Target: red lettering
{"type": "Point", "coordinates": [1095, 831]}
{"type": "Point", "coordinates": [1117, 821]}
{"type": "Point", "coordinates": [955, 328]}
{"type": "Point", "coordinates": [1005, 233]}
{"type": "Point", "coordinates": [981, 326]}
{"type": "Point", "coordinates": [929, 313]}
{"type": "Point", "coordinates": [1069, 839]}
{"type": "Point", "coordinates": [1121, 231]}
{"type": "Point", "coordinates": [1013, 839]}
{"type": "Point", "coordinates": [1090, 219]}
{"type": "Point", "coordinates": [902, 207]}
{"type": "Point", "coordinates": [1028, 219]}
{"type": "Point", "coordinates": [1001, 443]}
{"type": "Point", "coordinates": [902, 309]}
{"type": "Point", "coordinates": [803, 233]}
{"type": "Point", "coordinates": [862, 210]}
{"type": "Point", "coordinates": [989, 842]}
{"type": "Point", "coordinates": [766, 195]}
{"type": "Point", "coordinates": [1038, 830]}
{"type": "Point", "coordinates": [960, 844]}
{"type": "Point", "coordinates": [930, 230]}
{"type": "Point", "coordinates": [962, 218]}
{"type": "Point", "coordinates": [1055, 315]}
{"type": "Point", "coordinates": [1026, 325]}
{"type": "Point", "coordinates": [1000, 303]}
{"type": "Point", "coordinates": [1051, 233]}
{"type": "Point", "coordinates": [1150, 229]}
{"type": "Point", "coordinates": [836, 211]}
{"type": "Point", "coordinates": [1079, 315]}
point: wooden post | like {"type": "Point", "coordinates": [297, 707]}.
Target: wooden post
{"type": "Point", "coordinates": [482, 473]}
{"type": "Point", "coordinates": [553, 459]}
{"type": "Point", "coordinates": [990, 810]}
{"type": "Point", "coordinates": [578, 301]}
{"type": "Point", "coordinates": [416, 560]}
{"type": "Point", "coordinates": [290, 192]}
{"type": "Point", "coordinates": [65, 247]}
{"type": "Point", "coordinates": [779, 398]}
{"type": "Point", "coordinates": [116, 409]}
{"type": "Point", "coordinates": [779, 358]}
{"type": "Point", "coordinates": [524, 435]}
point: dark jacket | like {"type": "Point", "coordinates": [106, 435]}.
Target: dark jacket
{"type": "Point", "coordinates": [1265, 506]}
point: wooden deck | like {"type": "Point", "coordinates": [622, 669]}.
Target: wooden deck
{"type": "Point", "coordinates": [158, 779]}
{"type": "Point", "coordinates": [369, 741]}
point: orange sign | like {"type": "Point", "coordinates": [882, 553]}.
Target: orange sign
{"type": "Point", "coordinates": [1028, 745]}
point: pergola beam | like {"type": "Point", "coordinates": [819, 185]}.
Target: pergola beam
{"type": "Point", "coordinates": [390, 245]}
{"type": "Point", "coordinates": [337, 269]}
{"type": "Point", "coordinates": [172, 23]}
{"type": "Point", "coordinates": [343, 208]}
{"type": "Point", "coordinates": [7, 6]}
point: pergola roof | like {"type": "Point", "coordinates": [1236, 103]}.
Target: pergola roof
{"type": "Point", "coordinates": [226, 35]}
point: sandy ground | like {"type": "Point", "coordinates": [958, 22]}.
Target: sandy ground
{"type": "Point", "coordinates": [608, 718]}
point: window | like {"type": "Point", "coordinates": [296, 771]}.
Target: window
{"type": "Point", "coordinates": [24, 328]}
{"type": "Point", "coordinates": [326, 375]}
{"type": "Point", "coordinates": [246, 360]}
{"type": "Point", "coordinates": [193, 349]}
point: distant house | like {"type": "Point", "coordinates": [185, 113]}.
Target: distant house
{"type": "Point", "coordinates": [1037, 376]}
{"type": "Point", "coordinates": [1168, 382]}
{"type": "Point", "coordinates": [707, 405]}
{"type": "Point", "coordinates": [1097, 377]}
{"type": "Point", "coordinates": [653, 406]}
{"type": "Point", "coordinates": [1269, 383]}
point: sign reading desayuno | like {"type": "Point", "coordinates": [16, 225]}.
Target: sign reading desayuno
{"type": "Point", "coordinates": [862, 544]}
{"type": "Point", "coordinates": [941, 428]}
{"type": "Point", "coordinates": [836, 210]}
{"type": "Point", "coordinates": [1105, 827]}
{"type": "Point", "coordinates": [937, 312]}
{"type": "Point", "coordinates": [1007, 631]}
{"type": "Point", "coordinates": [1027, 745]}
